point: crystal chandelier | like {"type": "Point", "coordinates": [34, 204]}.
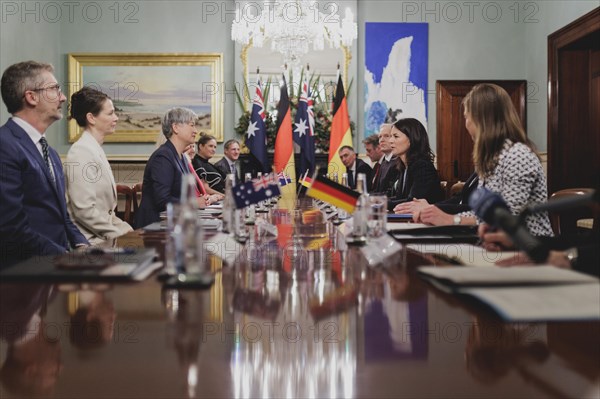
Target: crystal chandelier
{"type": "Point", "coordinates": [292, 27]}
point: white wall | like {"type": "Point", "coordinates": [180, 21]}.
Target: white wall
{"type": "Point", "coordinates": [483, 42]}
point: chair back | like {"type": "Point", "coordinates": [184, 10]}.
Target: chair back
{"type": "Point", "coordinates": [444, 187]}
{"type": "Point", "coordinates": [137, 196]}
{"type": "Point", "coordinates": [565, 222]}
{"type": "Point", "coordinates": [124, 192]}
{"type": "Point", "coordinates": [457, 188]}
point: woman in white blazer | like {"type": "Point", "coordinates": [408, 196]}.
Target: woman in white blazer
{"type": "Point", "coordinates": [91, 189]}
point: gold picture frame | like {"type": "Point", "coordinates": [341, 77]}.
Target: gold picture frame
{"type": "Point", "coordinates": [143, 86]}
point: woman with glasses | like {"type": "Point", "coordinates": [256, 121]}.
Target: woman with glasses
{"type": "Point", "coordinates": [166, 167]}
{"type": "Point", "coordinates": [91, 189]}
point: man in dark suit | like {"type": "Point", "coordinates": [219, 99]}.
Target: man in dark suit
{"type": "Point", "coordinates": [388, 172]}
{"type": "Point", "coordinates": [230, 164]}
{"type": "Point", "coordinates": [354, 166]}
{"type": "Point", "coordinates": [375, 155]}
{"type": "Point", "coordinates": [33, 212]}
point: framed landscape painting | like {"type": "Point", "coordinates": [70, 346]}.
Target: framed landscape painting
{"type": "Point", "coordinates": [144, 86]}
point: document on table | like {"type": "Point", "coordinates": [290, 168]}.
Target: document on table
{"type": "Point", "coordinates": [505, 276]}
{"type": "Point", "coordinates": [524, 293]}
{"type": "Point", "coordinates": [465, 254]}
{"type": "Point", "coordinates": [542, 303]}
{"type": "Point", "coordinates": [397, 225]}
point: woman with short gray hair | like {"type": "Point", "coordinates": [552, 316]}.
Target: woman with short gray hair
{"type": "Point", "coordinates": [166, 166]}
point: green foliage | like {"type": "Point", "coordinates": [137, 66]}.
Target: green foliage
{"type": "Point", "coordinates": [321, 109]}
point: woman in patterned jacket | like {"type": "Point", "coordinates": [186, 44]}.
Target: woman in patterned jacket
{"type": "Point", "coordinates": [504, 158]}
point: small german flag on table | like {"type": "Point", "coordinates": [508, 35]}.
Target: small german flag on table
{"type": "Point", "coordinates": [333, 193]}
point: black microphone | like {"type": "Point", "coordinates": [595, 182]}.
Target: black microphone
{"type": "Point", "coordinates": [561, 204]}
{"type": "Point", "coordinates": [491, 208]}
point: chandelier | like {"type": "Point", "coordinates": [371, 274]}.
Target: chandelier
{"type": "Point", "coordinates": [292, 27]}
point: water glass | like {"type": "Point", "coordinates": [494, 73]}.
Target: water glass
{"type": "Point", "coordinates": [377, 215]}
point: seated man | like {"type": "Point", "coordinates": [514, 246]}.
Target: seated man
{"type": "Point", "coordinates": [354, 166]}
{"type": "Point", "coordinates": [374, 153]}
{"type": "Point", "coordinates": [388, 173]}
{"type": "Point", "coordinates": [229, 164]}
{"type": "Point", "coordinates": [33, 211]}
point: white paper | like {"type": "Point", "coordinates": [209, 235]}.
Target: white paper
{"type": "Point", "coordinates": [515, 275]}
{"type": "Point", "coordinates": [543, 303]}
{"type": "Point", "coordinates": [402, 224]}
{"type": "Point", "coordinates": [224, 246]}
{"type": "Point", "coordinates": [466, 254]}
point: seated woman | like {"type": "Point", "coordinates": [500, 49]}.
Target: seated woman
{"type": "Point", "coordinates": [210, 194]}
{"type": "Point", "coordinates": [91, 189]}
{"type": "Point", "coordinates": [418, 177]}
{"type": "Point", "coordinates": [207, 145]}
{"type": "Point", "coordinates": [504, 159]}
{"type": "Point", "coordinates": [166, 166]}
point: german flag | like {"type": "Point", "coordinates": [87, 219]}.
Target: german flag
{"type": "Point", "coordinates": [284, 143]}
{"type": "Point", "coordinates": [341, 134]}
{"type": "Point", "coordinates": [307, 181]}
{"type": "Point", "coordinates": [334, 193]}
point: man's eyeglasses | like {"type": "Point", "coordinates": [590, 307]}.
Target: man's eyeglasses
{"type": "Point", "coordinates": [55, 88]}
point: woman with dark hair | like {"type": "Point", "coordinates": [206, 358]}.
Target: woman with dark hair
{"type": "Point", "coordinates": [91, 188]}
{"type": "Point", "coordinates": [504, 158]}
{"type": "Point", "coordinates": [213, 176]}
{"type": "Point", "coordinates": [418, 177]}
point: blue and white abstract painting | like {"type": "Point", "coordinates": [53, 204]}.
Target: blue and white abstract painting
{"type": "Point", "coordinates": [396, 61]}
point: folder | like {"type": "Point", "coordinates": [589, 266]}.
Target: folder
{"type": "Point", "coordinates": [94, 265]}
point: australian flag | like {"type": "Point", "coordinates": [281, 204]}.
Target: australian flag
{"type": "Point", "coordinates": [304, 130]}
{"type": "Point", "coordinates": [256, 135]}
{"type": "Point", "coordinates": [283, 179]}
{"type": "Point", "coordinates": [256, 190]}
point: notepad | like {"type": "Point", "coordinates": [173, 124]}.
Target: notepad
{"type": "Point", "coordinates": [131, 266]}
{"type": "Point", "coordinates": [465, 254]}
{"type": "Point", "coordinates": [542, 303]}
{"type": "Point", "coordinates": [505, 276]}
{"type": "Point", "coordinates": [523, 293]}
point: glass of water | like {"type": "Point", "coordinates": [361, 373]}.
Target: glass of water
{"type": "Point", "coordinates": [377, 215]}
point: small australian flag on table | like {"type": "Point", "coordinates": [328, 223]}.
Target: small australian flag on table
{"type": "Point", "coordinates": [256, 190]}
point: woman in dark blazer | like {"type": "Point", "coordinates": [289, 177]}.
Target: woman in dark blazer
{"type": "Point", "coordinates": [166, 166]}
{"type": "Point", "coordinates": [418, 178]}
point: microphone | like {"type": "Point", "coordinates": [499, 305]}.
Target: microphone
{"type": "Point", "coordinates": [491, 208]}
{"type": "Point", "coordinates": [561, 204]}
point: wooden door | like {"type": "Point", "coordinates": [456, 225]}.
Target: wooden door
{"type": "Point", "coordinates": [574, 104]}
{"type": "Point", "coordinates": [454, 145]}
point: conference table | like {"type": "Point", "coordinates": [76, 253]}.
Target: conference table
{"type": "Point", "coordinates": [289, 317]}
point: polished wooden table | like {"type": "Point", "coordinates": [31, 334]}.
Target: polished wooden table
{"type": "Point", "coordinates": [289, 318]}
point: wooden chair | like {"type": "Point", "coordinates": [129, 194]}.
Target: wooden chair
{"type": "Point", "coordinates": [565, 222]}
{"type": "Point", "coordinates": [124, 191]}
{"type": "Point", "coordinates": [456, 188]}
{"type": "Point", "coordinates": [137, 196]}
{"type": "Point", "coordinates": [444, 187]}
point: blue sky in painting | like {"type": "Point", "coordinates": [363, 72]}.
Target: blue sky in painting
{"type": "Point", "coordinates": [381, 36]}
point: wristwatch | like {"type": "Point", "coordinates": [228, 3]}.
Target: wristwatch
{"type": "Point", "coordinates": [572, 254]}
{"type": "Point", "coordinates": [457, 219]}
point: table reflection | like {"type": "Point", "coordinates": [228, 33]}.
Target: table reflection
{"type": "Point", "coordinates": [295, 313]}
{"type": "Point", "coordinates": [33, 355]}
{"type": "Point", "coordinates": [185, 313]}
